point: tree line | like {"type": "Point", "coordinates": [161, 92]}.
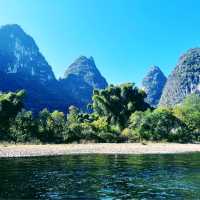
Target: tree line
{"type": "Point", "coordinates": [118, 114]}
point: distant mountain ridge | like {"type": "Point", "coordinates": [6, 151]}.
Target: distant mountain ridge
{"type": "Point", "coordinates": [153, 84]}
{"type": "Point", "coordinates": [22, 66]}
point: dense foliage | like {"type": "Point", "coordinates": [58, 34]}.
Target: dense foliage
{"type": "Point", "coordinates": [118, 114]}
{"type": "Point", "coordinates": [10, 104]}
{"type": "Point", "coordinates": [117, 103]}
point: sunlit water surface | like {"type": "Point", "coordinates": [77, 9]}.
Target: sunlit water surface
{"type": "Point", "coordinates": [101, 177]}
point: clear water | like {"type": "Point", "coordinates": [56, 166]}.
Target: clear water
{"type": "Point", "coordinates": [101, 177]}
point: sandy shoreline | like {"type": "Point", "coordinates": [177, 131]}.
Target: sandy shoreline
{"type": "Point", "coordinates": [68, 149]}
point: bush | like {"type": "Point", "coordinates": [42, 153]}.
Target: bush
{"type": "Point", "coordinates": [189, 113]}
{"type": "Point", "coordinates": [159, 125]}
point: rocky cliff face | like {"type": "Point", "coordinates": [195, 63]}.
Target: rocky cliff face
{"type": "Point", "coordinates": [153, 84]}
{"type": "Point", "coordinates": [184, 79]}
{"type": "Point", "coordinates": [20, 55]}
{"type": "Point", "coordinates": [81, 78]}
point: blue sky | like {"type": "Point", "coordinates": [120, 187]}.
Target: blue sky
{"type": "Point", "coordinates": [125, 37]}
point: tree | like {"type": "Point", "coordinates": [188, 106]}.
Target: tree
{"type": "Point", "coordinates": [117, 103]}
{"type": "Point", "coordinates": [56, 125]}
{"type": "Point", "coordinates": [133, 131]}
{"type": "Point", "coordinates": [73, 115]}
{"type": "Point", "coordinates": [23, 128]}
{"type": "Point", "coordinates": [73, 127]}
{"type": "Point", "coordinates": [43, 129]}
{"type": "Point", "coordinates": [51, 126]}
{"type": "Point", "coordinates": [10, 104]}
{"type": "Point", "coordinates": [189, 113]}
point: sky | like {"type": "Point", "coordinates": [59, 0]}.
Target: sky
{"type": "Point", "coordinates": [125, 37]}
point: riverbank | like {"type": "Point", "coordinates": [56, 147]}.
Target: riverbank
{"type": "Point", "coordinates": [108, 148]}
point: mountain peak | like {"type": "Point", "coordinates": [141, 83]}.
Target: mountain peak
{"type": "Point", "coordinates": [155, 68]}
{"type": "Point", "coordinates": [83, 62]}
{"type": "Point", "coordinates": [81, 58]}
{"type": "Point", "coordinates": [153, 84]}
{"type": "Point", "coordinates": [15, 32]}
{"type": "Point", "coordinates": [82, 66]}
{"type": "Point", "coordinates": [184, 79]}
{"type": "Point", "coordinates": [86, 69]}
{"type": "Point", "coordinates": [82, 77]}
{"type": "Point", "coordinates": [21, 54]}
{"type": "Point", "coordinates": [13, 27]}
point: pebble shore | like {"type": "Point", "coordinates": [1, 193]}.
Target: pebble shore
{"type": "Point", "coordinates": [108, 148]}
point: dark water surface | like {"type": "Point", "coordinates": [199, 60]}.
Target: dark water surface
{"type": "Point", "coordinates": [101, 177]}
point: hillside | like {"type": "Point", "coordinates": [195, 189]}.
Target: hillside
{"type": "Point", "coordinates": [184, 79]}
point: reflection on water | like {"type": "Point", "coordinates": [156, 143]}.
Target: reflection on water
{"type": "Point", "coordinates": [101, 177]}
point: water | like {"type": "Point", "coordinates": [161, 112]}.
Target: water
{"type": "Point", "coordinates": [101, 177]}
